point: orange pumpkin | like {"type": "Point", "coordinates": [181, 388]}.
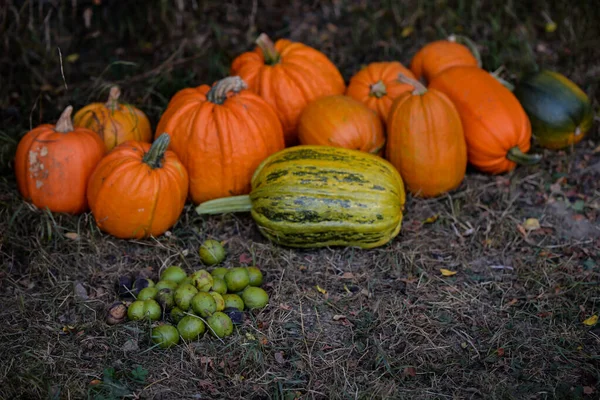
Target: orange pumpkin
{"type": "Point", "coordinates": [435, 57]}
{"type": "Point", "coordinates": [115, 122]}
{"type": "Point", "coordinates": [377, 85]}
{"type": "Point", "coordinates": [138, 190]}
{"type": "Point", "coordinates": [53, 164]}
{"type": "Point", "coordinates": [497, 130]}
{"type": "Point", "coordinates": [426, 142]}
{"type": "Point", "coordinates": [221, 135]}
{"type": "Point", "coordinates": [341, 121]}
{"type": "Point", "coordinates": [288, 75]}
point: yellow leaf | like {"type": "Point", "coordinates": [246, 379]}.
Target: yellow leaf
{"type": "Point", "coordinates": [431, 219]}
{"type": "Point", "coordinates": [72, 235]}
{"type": "Point", "coordinates": [346, 289]}
{"type": "Point", "coordinates": [591, 321]}
{"type": "Point", "coordinates": [407, 31]}
{"type": "Point", "coordinates": [447, 272]}
{"type": "Point", "coordinates": [551, 26]}
{"type": "Point", "coordinates": [321, 290]}
{"type": "Point", "coordinates": [531, 224]}
{"type": "Point", "coordinates": [71, 58]}
{"type": "Point", "coordinates": [250, 336]}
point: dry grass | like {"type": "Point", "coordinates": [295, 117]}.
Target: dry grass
{"type": "Point", "coordinates": [508, 325]}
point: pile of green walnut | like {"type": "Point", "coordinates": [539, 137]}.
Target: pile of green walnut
{"type": "Point", "coordinates": [195, 303]}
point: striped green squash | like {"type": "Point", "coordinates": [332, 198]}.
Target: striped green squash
{"type": "Point", "coordinates": [315, 196]}
{"type": "Point", "coordinates": [559, 111]}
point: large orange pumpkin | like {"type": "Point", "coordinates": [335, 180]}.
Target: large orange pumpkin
{"type": "Point", "coordinates": [138, 190]}
{"type": "Point", "coordinates": [425, 141]}
{"type": "Point", "coordinates": [435, 57]}
{"type": "Point", "coordinates": [288, 75]}
{"type": "Point", "coordinates": [115, 122]}
{"type": "Point", "coordinates": [377, 85]}
{"type": "Point", "coordinates": [53, 164]}
{"type": "Point", "coordinates": [341, 121]}
{"type": "Point", "coordinates": [221, 134]}
{"type": "Point", "coordinates": [497, 130]}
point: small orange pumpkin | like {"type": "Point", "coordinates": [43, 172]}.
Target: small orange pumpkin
{"type": "Point", "coordinates": [497, 129]}
{"type": "Point", "coordinates": [115, 122]}
{"type": "Point", "coordinates": [53, 164]}
{"type": "Point", "coordinates": [221, 135]}
{"type": "Point", "coordinates": [435, 57]}
{"type": "Point", "coordinates": [377, 85]}
{"type": "Point", "coordinates": [426, 142]}
{"type": "Point", "coordinates": [288, 75]}
{"type": "Point", "coordinates": [138, 190]}
{"type": "Point", "coordinates": [341, 121]}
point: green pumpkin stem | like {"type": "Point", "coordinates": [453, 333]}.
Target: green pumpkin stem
{"type": "Point", "coordinates": [378, 89]}
{"type": "Point", "coordinates": [218, 93]}
{"type": "Point", "coordinates": [113, 98]}
{"type": "Point", "coordinates": [65, 123]}
{"type": "Point", "coordinates": [231, 204]}
{"type": "Point", "coordinates": [154, 157]}
{"type": "Point", "coordinates": [516, 155]}
{"type": "Point", "coordinates": [470, 44]}
{"type": "Point", "coordinates": [420, 89]}
{"type": "Point", "coordinates": [504, 82]}
{"type": "Point", "coordinates": [270, 54]}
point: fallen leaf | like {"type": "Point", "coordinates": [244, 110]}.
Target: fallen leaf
{"type": "Point", "coordinates": [591, 321]}
{"type": "Point", "coordinates": [431, 219]}
{"type": "Point", "coordinates": [346, 289]}
{"type": "Point", "coordinates": [409, 371]}
{"type": "Point", "coordinates": [71, 58]}
{"type": "Point", "coordinates": [347, 275]}
{"type": "Point", "coordinates": [588, 390]}
{"type": "Point", "coordinates": [500, 352]}
{"type": "Point", "coordinates": [447, 272]}
{"type": "Point", "coordinates": [321, 290]}
{"type": "Point", "coordinates": [95, 381]}
{"type": "Point", "coordinates": [80, 291]}
{"type": "Point", "coordinates": [279, 357]}
{"type": "Point", "coordinates": [531, 224]}
{"type": "Point", "coordinates": [365, 292]}
{"type": "Point", "coordinates": [551, 26]}
{"type": "Point", "coordinates": [245, 258]}
{"type": "Point", "coordinates": [72, 235]}
{"type": "Point", "coordinates": [250, 336]}
{"type": "Point", "coordinates": [285, 307]}
{"type": "Point", "coordinates": [337, 317]}
{"type": "Point", "coordinates": [407, 31]}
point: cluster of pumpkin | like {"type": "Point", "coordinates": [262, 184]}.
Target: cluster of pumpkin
{"type": "Point", "coordinates": [211, 139]}
{"type": "Point", "coordinates": [201, 301]}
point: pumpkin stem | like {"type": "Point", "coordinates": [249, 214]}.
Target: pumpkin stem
{"type": "Point", "coordinates": [420, 89]}
{"type": "Point", "coordinates": [226, 205]}
{"type": "Point", "coordinates": [65, 123]}
{"type": "Point", "coordinates": [504, 82]}
{"type": "Point", "coordinates": [378, 89]}
{"type": "Point", "coordinates": [469, 43]}
{"type": "Point", "coordinates": [113, 98]}
{"type": "Point", "coordinates": [155, 155]}
{"type": "Point", "coordinates": [218, 93]}
{"type": "Point", "coordinates": [270, 54]}
{"type": "Point", "coordinates": [516, 155]}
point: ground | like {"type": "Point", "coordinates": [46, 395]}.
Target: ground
{"type": "Point", "coordinates": [387, 324]}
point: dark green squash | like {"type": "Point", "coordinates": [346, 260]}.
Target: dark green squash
{"type": "Point", "coordinates": [315, 196]}
{"type": "Point", "coordinates": [559, 111]}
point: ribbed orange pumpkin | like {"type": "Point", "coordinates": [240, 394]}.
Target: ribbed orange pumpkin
{"type": "Point", "coordinates": [435, 57]}
{"type": "Point", "coordinates": [426, 142]}
{"type": "Point", "coordinates": [497, 130]}
{"type": "Point", "coordinates": [341, 121]}
{"type": "Point", "coordinates": [377, 85]}
{"type": "Point", "coordinates": [288, 75]}
{"type": "Point", "coordinates": [138, 190]}
{"type": "Point", "coordinates": [115, 122]}
{"type": "Point", "coordinates": [53, 164]}
{"type": "Point", "coordinates": [221, 134]}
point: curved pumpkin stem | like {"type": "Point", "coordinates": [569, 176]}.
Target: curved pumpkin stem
{"type": "Point", "coordinates": [226, 205]}
{"type": "Point", "coordinates": [113, 98]}
{"type": "Point", "coordinates": [516, 155]}
{"type": "Point", "coordinates": [155, 155]}
{"type": "Point", "coordinates": [420, 89]}
{"type": "Point", "coordinates": [470, 44]}
{"type": "Point", "coordinates": [270, 54]}
{"type": "Point", "coordinates": [65, 123]}
{"type": "Point", "coordinates": [218, 93]}
{"type": "Point", "coordinates": [378, 89]}
{"type": "Point", "coordinates": [505, 83]}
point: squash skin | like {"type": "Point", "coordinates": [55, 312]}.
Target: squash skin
{"type": "Point", "coordinates": [377, 86]}
{"type": "Point", "coordinates": [436, 57]}
{"type": "Point", "coordinates": [560, 112]}
{"type": "Point", "coordinates": [316, 196]}
{"type": "Point", "coordinates": [493, 120]}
